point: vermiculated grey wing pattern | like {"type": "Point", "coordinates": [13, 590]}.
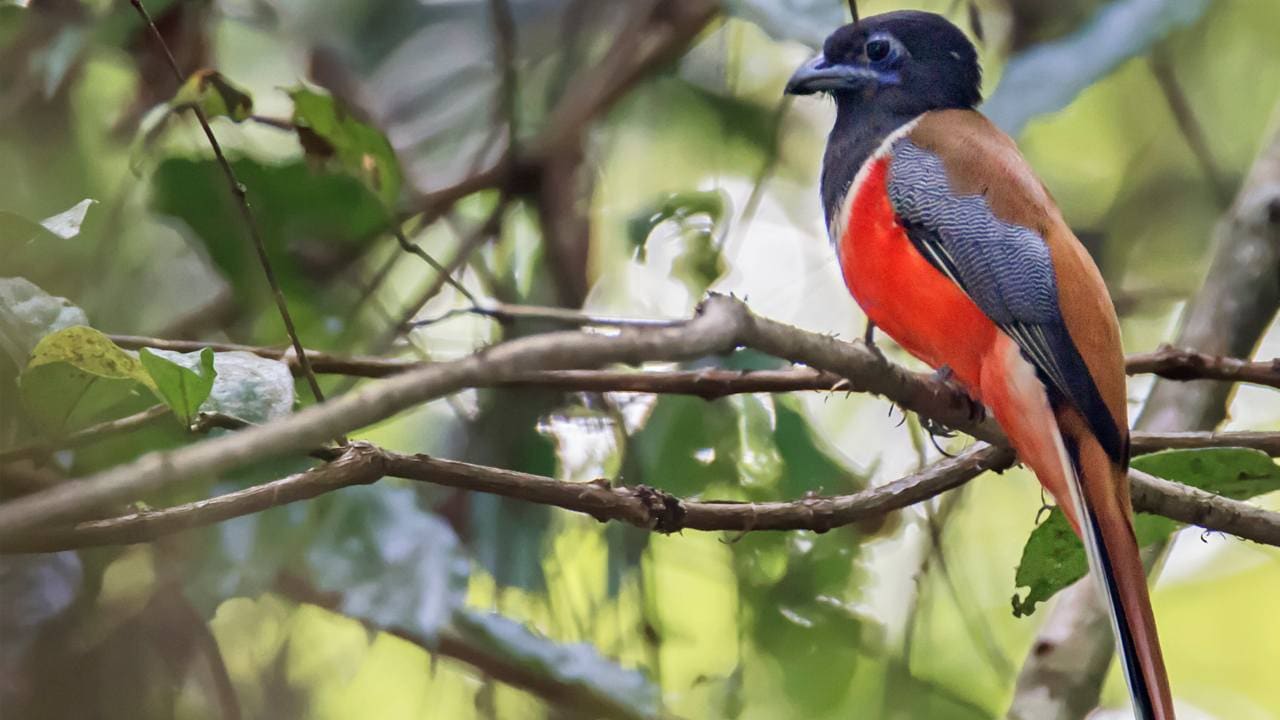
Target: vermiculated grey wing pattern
{"type": "Point", "coordinates": [1006, 269]}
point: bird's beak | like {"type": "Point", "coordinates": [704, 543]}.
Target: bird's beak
{"type": "Point", "coordinates": [818, 75]}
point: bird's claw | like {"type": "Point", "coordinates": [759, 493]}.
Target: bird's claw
{"type": "Point", "coordinates": [975, 410]}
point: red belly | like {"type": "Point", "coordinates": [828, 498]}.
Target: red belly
{"type": "Point", "coordinates": [910, 300]}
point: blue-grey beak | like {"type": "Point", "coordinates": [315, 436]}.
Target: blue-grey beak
{"type": "Point", "coordinates": [818, 75]}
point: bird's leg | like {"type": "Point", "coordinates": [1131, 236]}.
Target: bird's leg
{"type": "Point", "coordinates": [869, 339]}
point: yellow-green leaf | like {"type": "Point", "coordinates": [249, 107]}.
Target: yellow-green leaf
{"type": "Point", "coordinates": [75, 375]}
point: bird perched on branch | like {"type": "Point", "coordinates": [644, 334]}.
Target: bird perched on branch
{"type": "Point", "coordinates": [955, 249]}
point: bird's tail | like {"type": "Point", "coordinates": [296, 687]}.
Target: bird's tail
{"type": "Point", "coordinates": [1099, 487]}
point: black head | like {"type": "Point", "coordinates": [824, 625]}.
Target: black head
{"type": "Point", "coordinates": [905, 63]}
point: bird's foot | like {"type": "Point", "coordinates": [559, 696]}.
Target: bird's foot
{"type": "Point", "coordinates": [975, 410]}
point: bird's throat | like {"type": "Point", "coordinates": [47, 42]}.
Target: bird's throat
{"type": "Point", "coordinates": [860, 129]}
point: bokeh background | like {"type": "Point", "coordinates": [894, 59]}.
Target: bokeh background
{"type": "Point", "coordinates": [699, 178]}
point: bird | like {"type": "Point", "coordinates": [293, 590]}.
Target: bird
{"type": "Point", "coordinates": [955, 249]}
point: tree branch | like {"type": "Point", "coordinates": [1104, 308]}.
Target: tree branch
{"type": "Point", "coordinates": [645, 507]}
{"type": "Point", "coordinates": [715, 329]}
{"type": "Point", "coordinates": [658, 33]}
{"type": "Point", "coordinates": [1167, 362]}
{"type": "Point", "coordinates": [722, 324]}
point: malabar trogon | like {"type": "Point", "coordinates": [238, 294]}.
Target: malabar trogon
{"type": "Point", "coordinates": [956, 250]}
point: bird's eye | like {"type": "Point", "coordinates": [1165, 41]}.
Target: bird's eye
{"type": "Point", "coordinates": [879, 50]}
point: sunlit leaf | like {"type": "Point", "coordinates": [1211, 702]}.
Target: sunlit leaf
{"type": "Point", "coordinates": [183, 388]}
{"type": "Point", "coordinates": [1047, 77]}
{"type": "Point", "coordinates": [75, 375]}
{"type": "Point", "coordinates": [214, 95]}
{"type": "Point", "coordinates": [66, 224]}
{"type": "Point", "coordinates": [328, 133]}
{"type": "Point", "coordinates": [675, 206]}
{"type": "Point", "coordinates": [16, 230]}
{"type": "Point", "coordinates": [1053, 557]}
{"type": "Point", "coordinates": [396, 565]}
{"type": "Point", "coordinates": [617, 691]}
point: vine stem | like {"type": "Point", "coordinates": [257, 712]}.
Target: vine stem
{"type": "Point", "coordinates": [242, 201]}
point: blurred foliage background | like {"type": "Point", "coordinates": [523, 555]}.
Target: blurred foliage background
{"type": "Point", "coordinates": [419, 602]}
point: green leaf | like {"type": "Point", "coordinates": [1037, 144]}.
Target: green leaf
{"type": "Point", "coordinates": [1047, 77]}
{"type": "Point", "coordinates": [1237, 473]}
{"type": "Point", "coordinates": [615, 691]}
{"type": "Point", "coordinates": [75, 375]}
{"type": "Point", "coordinates": [213, 94]}
{"type": "Point", "coordinates": [329, 134]}
{"type": "Point", "coordinates": [312, 224]}
{"type": "Point", "coordinates": [1053, 557]}
{"type": "Point", "coordinates": [66, 224]}
{"type": "Point", "coordinates": [396, 565]}
{"type": "Point", "coordinates": [250, 387]}
{"type": "Point", "coordinates": [181, 387]}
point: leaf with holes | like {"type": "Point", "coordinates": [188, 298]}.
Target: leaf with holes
{"type": "Point", "coordinates": [1053, 557]}
{"type": "Point", "coordinates": [183, 386]}
{"type": "Point", "coordinates": [75, 376]}
{"type": "Point", "coordinates": [328, 133]}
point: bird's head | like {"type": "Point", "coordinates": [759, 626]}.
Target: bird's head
{"type": "Point", "coordinates": [904, 62]}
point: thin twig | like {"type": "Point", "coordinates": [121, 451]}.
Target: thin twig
{"type": "Point", "coordinates": [445, 273]}
{"type": "Point", "coordinates": [509, 312]}
{"type": "Point", "coordinates": [88, 435]}
{"type": "Point", "coordinates": [657, 32]}
{"type": "Point", "coordinates": [1188, 124]}
{"type": "Point", "coordinates": [238, 192]}
{"type": "Point", "coordinates": [711, 383]}
{"type": "Point", "coordinates": [768, 166]}
{"type": "Point", "coordinates": [504, 34]}
{"type": "Point", "coordinates": [469, 245]}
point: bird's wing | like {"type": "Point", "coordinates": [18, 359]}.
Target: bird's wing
{"type": "Point", "coordinates": [974, 211]}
